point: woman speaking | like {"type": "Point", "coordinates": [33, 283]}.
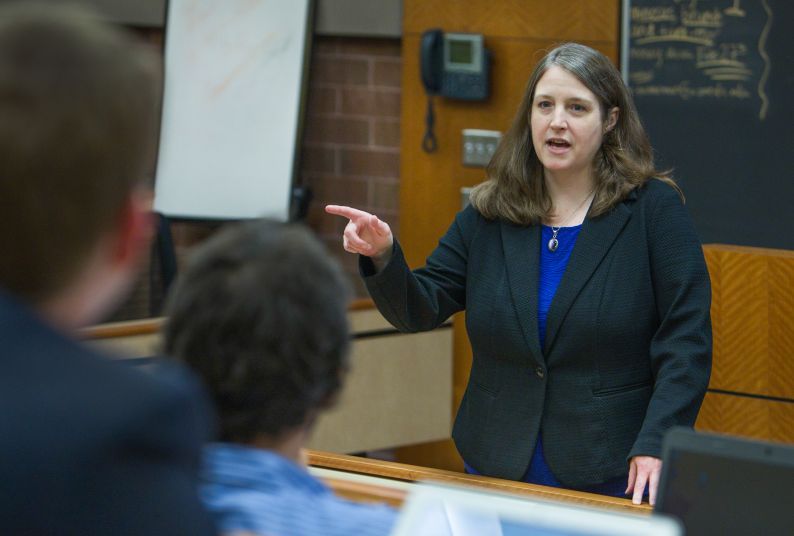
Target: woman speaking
{"type": "Point", "coordinates": [586, 293]}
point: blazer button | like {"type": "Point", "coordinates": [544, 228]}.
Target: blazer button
{"type": "Point", "coordinates": [539, 372]}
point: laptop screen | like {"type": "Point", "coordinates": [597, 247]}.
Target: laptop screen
{"type": "Point", "coordinates": [445, 511]}
{"type": "Point", "coordinates": [725, 485]}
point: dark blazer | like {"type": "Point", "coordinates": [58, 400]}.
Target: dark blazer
{"type": "Point", "coordinates": [628, 340]}
{"type": "Point", "coordinates": [89, 445]}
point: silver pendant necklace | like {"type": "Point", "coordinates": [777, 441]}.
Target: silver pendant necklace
{"type": "Point", "coordinates": [553, 243]}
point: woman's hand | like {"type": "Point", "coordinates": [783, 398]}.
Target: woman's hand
{"type": "Point", "coordinates": [365, 234]}
{"type": "Point", "coordinates": [642, 470]}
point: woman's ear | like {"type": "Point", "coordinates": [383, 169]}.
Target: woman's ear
{"type": "Point", "coordinates": [612, 119]}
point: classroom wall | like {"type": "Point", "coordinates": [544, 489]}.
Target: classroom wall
{"type": "Point", "coordinates": [364, 123]}
{"type": "Point", "coordinates": [351, 147]}
{"type": "Point", "coordinates": [364, 127]}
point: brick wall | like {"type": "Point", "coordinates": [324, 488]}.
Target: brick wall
{"type": "Point", "coordinates": [350, 151]}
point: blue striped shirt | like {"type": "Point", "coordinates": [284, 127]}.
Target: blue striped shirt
{"type": "Point", "coordinates": [258, 491]}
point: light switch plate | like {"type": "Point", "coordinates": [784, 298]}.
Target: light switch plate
{"type": "Point", "coordinates": [465, 192]}
{"type": "Point", "coordinates": [479, 146]}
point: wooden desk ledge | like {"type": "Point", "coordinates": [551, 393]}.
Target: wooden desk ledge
{"type": "Point", "coordinates": [366, 492]}
{"type": "Point", "coordinates": [411, 473]}
{"type": "Point", "coordinates": [149, 326]}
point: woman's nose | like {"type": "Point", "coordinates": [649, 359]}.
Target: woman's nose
{"type": "Point", "coordinates": [558, 119]}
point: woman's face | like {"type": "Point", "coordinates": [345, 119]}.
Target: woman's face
{"type": "Point", "coordinates": [566, 122]}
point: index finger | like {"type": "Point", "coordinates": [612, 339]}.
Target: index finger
{"type": "Point", "coordinates": [347, 212]}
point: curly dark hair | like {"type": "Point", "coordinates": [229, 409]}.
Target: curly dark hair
{"type": "Point", "coordinates": [261, 315]}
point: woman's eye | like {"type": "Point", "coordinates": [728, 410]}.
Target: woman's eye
{"type": "Point", "coordinates": [578, 107]}
{"type": "Point", "coordinates": [544, 105]}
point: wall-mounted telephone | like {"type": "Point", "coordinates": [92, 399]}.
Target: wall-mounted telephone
{"type": "Point", "coordinates": [455, 66]}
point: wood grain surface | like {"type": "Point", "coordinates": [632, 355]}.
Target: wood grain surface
{"type": "Point", "coordinates": [411, 473]}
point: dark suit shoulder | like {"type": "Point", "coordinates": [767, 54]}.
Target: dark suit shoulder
{"type": "Point", "coordinates": [654, 190]}
{"type": "Point", "coordinates": [73, 387]}
{"type": "Point", "coordinates": [108, 448]}
{"type": "Point", "coordinates": [469, 222]}
{"type": "Point", "coordinates": [177, 401]}
{"type": "Point", "coordinates": [469, 217]}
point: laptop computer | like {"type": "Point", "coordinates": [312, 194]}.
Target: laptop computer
{"type": "Point", "coordinates": [436, 510]}
{"type": "Point", "coordinates": [725, 485]}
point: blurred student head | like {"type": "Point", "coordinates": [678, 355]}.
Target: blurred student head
{"type": "Point", "coordinates": [79, 102]}
{"type": "Point", "coordinates": [261, 315]}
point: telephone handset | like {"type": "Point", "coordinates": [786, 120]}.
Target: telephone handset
{"type": "Point", "coordinates": [430, 55]}
{"type": "Point", "coordinates": [455, 66]}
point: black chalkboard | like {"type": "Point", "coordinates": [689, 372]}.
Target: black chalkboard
{"type": "Point", "coordinates": [714, 84]}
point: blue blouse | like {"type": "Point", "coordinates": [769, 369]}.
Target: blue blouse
{"type": "Point", "coordinates": [552, 266]}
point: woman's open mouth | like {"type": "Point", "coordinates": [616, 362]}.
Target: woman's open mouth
{"type": "Point", "coordinates": [558, 145]}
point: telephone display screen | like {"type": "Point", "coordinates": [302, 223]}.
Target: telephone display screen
{"type": "Point", "coordinates": [460, 51]}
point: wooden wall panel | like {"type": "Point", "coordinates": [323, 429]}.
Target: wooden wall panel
{"type": "Point", "coordinates": [518, 32]}
{"type": "Point", "coordinates": [752, 320]}
{"type": "Point", "coordinates": [577, 20]}
{"type": "Point", "coordinates": [752, 380]}
{"type": "Point", "coordinates": [742, 301]}
{"type": "Point", "coordinates": [712, 262]}
{"type": "Point", "coordinates": [781, 326]}
{"type": "Point", "coordinates": [749, 417]}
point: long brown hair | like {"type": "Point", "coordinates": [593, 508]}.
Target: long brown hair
{"type": "Point", "coordinates": [516, 190]}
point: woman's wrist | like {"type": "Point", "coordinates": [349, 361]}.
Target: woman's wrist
{"type": "Point", "coordinates": [380, 260]}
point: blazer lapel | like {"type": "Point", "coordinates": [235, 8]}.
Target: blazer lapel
{"type": "Point", "coordinates": [521, 246]}
{"type": "Point", "coordinates": [595, 239]}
